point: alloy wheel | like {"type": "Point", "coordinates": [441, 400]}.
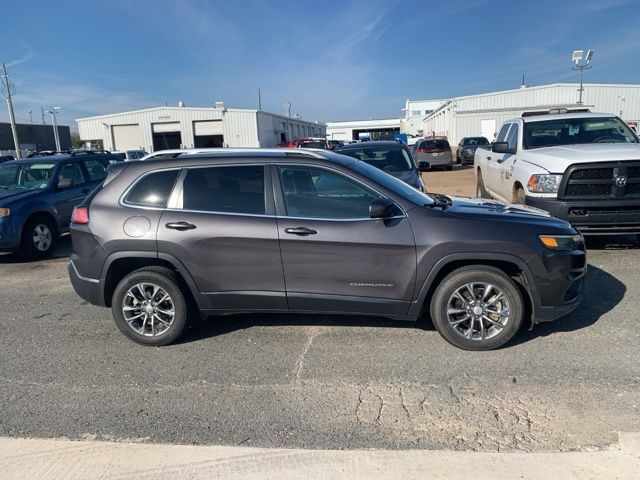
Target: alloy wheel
{"type": "Point", "coordinates": [148, 309]}
{"type": "Point", "coordinates": [478, 311]}
{"type": "Point", "coordinates": [42, 237]}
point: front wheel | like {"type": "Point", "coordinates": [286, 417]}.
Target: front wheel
{"type": "Point", "coordinates": [477, 308]}
{"type": "Point", "coordinates": [149, 306]}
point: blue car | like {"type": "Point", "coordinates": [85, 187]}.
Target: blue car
{"type": "Point", "coordinates": [37, 197]}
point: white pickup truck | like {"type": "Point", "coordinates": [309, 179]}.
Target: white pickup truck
{"type": "Point", "coordinates": [581, 167]}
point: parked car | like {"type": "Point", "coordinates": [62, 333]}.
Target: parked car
{"type": "Point", "coordinates": [467, 149]}
{"type": "Point", "coordinates": [304, 231]}
{"type": "Point", "coordinates": [436, 151]}
{"type": "Point", "coordinates": [37, 197]}
{"type": "Point", "coordinates": [391, 157]}
{"type": "Point", "coordinates": [306, 142]}
{"type": "Point", "coordinates": [581, 167]}
{"type": "Point", "coordinates": [128, 155]}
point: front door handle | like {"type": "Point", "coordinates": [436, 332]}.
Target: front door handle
{"type": "Point", "coordinates": [301, 231]}
{"type": "Point", "coordinates": [181, 226]}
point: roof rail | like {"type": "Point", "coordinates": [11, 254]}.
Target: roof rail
{"type": "Point", "coordinates": [309, 152]}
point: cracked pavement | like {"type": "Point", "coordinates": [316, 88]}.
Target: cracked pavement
{"type": "Point", "coordinates": [325, 382]}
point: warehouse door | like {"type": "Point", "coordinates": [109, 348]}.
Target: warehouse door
{"type": "Point", "coordinates": [488, 129]}
{"type": "Point", "coordinates": [126, 137]}
{"type": "Point", "coordinates": [166, 136]}
{"type": "Point", "coordinates": [208, 134]}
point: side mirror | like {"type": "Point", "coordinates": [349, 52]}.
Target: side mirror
{"type": "Point", "coordinates": [501, 147]}
{"type": "Point", "coordinates": [424, 166]}
{"type": "Point", "coordinates": [65, 183]}
{"type": "Point", "coordinates": [382, 208]}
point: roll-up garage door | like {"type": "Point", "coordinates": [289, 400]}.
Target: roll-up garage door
{"type": "Point", "coordinates": [207, 127]}
{"type": "Point", "coordinates": [166, 127]}
{"type": "Point", "coordinates": [126, 137]}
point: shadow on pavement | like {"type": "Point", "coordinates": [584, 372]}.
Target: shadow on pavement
{"type": "Point", "coordinates": [62, 250]}
{"type": "Point", "coordinates": [602, 292]}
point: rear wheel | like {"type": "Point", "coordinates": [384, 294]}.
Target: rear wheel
{"type": "Point", "coordinates": [38, 237]}
{"type": "Point", "coordinates": [150, 307]}
{"type": "Point", "coordinates": [480, 191]}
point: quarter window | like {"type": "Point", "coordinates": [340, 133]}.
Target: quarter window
{"type": "Point", "coordinates": [96, 170]}
{"type": "Point", "coordinates": [315, 193]}
{"type": "Point", "coordinates": [153, 190]}
{"type": "Point", "coordinates": [238, 189]}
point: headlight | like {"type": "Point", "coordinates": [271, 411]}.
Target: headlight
{"type": "Point", "coordinates": [544, 183]}
{"type": "Point", "coordinates": [4, 212]}
{"type": "Point", "coordinates": [562, 242]}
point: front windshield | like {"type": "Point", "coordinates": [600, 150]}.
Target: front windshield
{"type": "Point", "coordinates": [386, 159]}
{"type": "Point", "coordinates": [576, 131]}
{"type": "Point", "coordinates": [391, 183]}
{"type": "Point", "coordinates": [25, 176]}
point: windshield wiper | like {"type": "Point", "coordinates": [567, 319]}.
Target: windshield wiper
{"type": "Point", "coordinates": [441, 200]}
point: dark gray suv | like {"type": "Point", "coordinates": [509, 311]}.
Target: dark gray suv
{"type": "Point", "coordinates": [314, 232]}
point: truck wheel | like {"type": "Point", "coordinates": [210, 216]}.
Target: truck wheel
{"type": "Point", "coordinates": [150, 307]}
{"type": "Point", "coordinates": [477, 307]}
{"type": "Point", "coordinates": [38, 238]}
{"type": "Point", "coordinates": [518, 196]}
{"type": "Point", "coordinates": [480, 191]}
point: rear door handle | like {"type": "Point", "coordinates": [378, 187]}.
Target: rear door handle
{"type": "Point", "coordinates": [182, 226]}
{"type": "Point", "coordinates": [301, 231]}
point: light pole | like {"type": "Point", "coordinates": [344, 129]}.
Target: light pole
{"type": "Point", "coordinates": [7, 88]}
{"type": "Point", "coordinates": [55, 126]}
{"type": "Point", "coordinates": [582, 62]}
{"type": "Point", "coordinates": [31, 116]}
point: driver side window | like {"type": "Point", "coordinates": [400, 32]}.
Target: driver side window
{"type": "Point", "coordinates": [316, 193]}
{"type": "Point", "coordinates": [512, 138]}
{"type": "Point", "coordinates": [503, 133]}
{"type": "Point", "coordinates": [72, 172]}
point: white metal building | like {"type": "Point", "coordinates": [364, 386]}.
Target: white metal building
{"type": "Point", "coordinates": [482, 114]}
{"type": "Point", "coordinates": [161, 128]}
{"type": "Point", "coordinates": [363, 129]}
{"type": "Point", "coordinates": [414, 113]}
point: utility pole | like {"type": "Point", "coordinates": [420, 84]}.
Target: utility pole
{"type": "Point", "coordinates": [259, 100]}
{"type": "Point", "coordinates": [43, 121]}
{"type": "Point", "coordinates": [7, 87]}
{"type": "Point", "coordinates": [31, 116]}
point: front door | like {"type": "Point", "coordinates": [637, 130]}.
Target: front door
{"type": "Point", "coordinates": [493, 173]}
{"type": "Point", "coordinates": [223, 230]}
{"type": "Point", "coordinates": [505, 187]}
{"type": "Point", "coordinates": [336, 258]}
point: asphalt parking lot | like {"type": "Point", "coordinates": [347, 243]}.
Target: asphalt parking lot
{"type": "Point", "coordinates": [322, 381]}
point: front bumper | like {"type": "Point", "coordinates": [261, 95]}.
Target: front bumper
{"type": "Point", "coordinates": [88, 289]}
{"type": "Point", "coordinates": [594, 217]}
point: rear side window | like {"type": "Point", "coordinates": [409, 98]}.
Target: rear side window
{"type": "Point", "coordinates": [238, 189]}
{"type": "Point", "coordinates": [435, 144]}
{"type": "Point", "coordinates": [152, 190]}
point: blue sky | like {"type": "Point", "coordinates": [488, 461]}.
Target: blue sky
{"type": "Point", "coordinates": [334, 60]}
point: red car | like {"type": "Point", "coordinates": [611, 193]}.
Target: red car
{"type": "Point", "coordinates": [306, 142]}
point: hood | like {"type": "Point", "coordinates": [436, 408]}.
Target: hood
{"type": "Point", "coordinates": [478, 209]}
{"type": "Point", "coordinates": [8, 196]}
{"type": "Point", "coordinates": [558, 159]}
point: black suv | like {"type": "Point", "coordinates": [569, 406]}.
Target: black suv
{"type": "Point", "coordinates": [314, 232]}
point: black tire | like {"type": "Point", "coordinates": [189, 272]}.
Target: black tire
{"type": "Point", "coordinates": [519, 196]}
{"type": "Point", "coordinates": [165, 279]}
{"type": "Point", "coordinates": [480, 190]}
{"type": "Point", "coordinates": [449, 167]}
{"type": "Point", "coordinates": [32, 249]}
{"type": "Point", "coordinates": [477, 274]}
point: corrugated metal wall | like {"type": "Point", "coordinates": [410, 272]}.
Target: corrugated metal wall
{"type": "Point", "coordinates": [462, 117]}
{"type": "Point", "coordinates": [241, 128]}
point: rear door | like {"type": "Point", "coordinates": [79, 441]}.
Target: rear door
{"type": "Point", "coordinates": [222, 228]}
{"type": "Point", "coordinates": [75, 186]}
{"type": "Point", "coordinates": [336, 258]}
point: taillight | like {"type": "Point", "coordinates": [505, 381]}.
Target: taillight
{"type": "Point", "coordinates": [80, 215]}
{"type": "Point", "coordinates": [422, 150]}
